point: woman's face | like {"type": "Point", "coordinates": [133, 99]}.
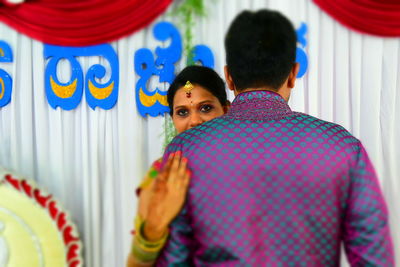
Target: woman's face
{"type": "Point", "coordinates": [191, 111]}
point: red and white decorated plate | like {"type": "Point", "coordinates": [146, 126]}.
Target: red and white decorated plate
{"type": "Point", "coordinates": [34, 230]}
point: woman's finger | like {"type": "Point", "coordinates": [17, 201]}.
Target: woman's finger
{"type": "Point", "coordinates": [167, 167]}
{"type": "Point", "coordinates": [159, 185]}
{"type": "Point", "coordinates": [182, 168]}
{"type": "Point", "coordinates": [174, 167]}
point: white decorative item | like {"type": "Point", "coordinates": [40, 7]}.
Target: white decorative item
{"type": "Point", "coordinates": [34, 229]}
{"type": "Point", "coordinates": [4, 251]}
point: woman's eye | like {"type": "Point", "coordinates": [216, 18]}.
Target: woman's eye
{"type": "Point", "coordinates": [182, 112]}
{"type": "Point", "coordinates": [206, 108]}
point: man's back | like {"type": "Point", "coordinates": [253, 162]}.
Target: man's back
{"type": "Point", "coordinates": [272, 187]}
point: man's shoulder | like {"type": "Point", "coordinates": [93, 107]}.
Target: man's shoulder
{"type": "Point", "coordinates": [325, 129]}
{"type": "Point", "coordinates": [317, 123]}
{"type": "Point", "coordinates": [207, 128]}
{"type": "Point", "coordinates": [197, 134]}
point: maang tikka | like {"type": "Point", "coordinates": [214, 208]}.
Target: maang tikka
{"type": "Point", "coordinates": [188, 89]}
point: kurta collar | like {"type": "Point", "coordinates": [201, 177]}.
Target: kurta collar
{"type": "Point", "coordinates": [259, 105]}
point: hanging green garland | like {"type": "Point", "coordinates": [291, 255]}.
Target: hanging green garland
{"type": "Point", "coordinates": [169, 131]}
{"type": "Point", "coordinates": [187, 12]}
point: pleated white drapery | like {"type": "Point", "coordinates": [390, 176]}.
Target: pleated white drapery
{"type": "Point", "coordinates": [92, 160]}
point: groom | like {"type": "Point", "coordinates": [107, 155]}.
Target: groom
{"type": "Point", "coordinates": [273, 187]}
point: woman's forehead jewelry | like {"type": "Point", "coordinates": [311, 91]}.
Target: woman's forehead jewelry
{"type": "Point", "coordinates": [188, 89]}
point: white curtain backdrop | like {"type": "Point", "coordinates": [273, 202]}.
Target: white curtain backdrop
{"type": "Point", "coordinates": [92, 161]}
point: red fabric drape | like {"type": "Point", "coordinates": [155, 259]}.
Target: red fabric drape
{"type": "Point", "coordinates": [377, 17]}
{"type": "Point", "coordinates": [80, 22]}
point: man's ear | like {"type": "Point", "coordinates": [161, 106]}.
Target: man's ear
{"type": "Point", "coordinates": [293, 75]}
{"type": "Point", "coordinates": [228, 79]}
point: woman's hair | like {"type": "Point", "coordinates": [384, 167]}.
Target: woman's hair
{"type": "Point", "coordinates": [198, 75]}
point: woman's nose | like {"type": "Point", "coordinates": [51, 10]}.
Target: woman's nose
{"type": "Point", "coordinates": [195, 119]}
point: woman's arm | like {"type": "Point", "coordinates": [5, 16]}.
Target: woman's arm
{"type": "Point", "coordinates": [159, 203]}
{"type": "Point", "coordinates": [132, 262]}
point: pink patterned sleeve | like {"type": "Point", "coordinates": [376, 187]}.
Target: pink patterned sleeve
{"type": "Point", "coordinates": [367, 237]}
{"type": "Point", "coordinates": [180, 246]}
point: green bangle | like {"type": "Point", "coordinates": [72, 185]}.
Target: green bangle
{"type": "Point", "coordinates": [143, 242]}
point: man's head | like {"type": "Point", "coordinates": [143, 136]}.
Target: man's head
{"type": "Point", "coordinates": [260, 51]}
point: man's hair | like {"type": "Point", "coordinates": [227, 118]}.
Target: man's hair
{"type": "Point", "coordinates": [260, 49]}
{"type": "Point", "coordinates": [198, 75]}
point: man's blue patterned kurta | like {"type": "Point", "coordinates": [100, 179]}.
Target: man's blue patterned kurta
{"type": "Point", "coordinates": [272, 187]}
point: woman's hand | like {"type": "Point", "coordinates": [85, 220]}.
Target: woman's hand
{"type": "Point", "coordinates": [161, 202]}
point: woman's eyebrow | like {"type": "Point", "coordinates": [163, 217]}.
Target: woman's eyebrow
{"type": "Point", "coordinates": [200, 103]}
{"type": "Point", "coordinates": [181, 106]}
{"type": "Point", "coordinates": [205, 101]}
